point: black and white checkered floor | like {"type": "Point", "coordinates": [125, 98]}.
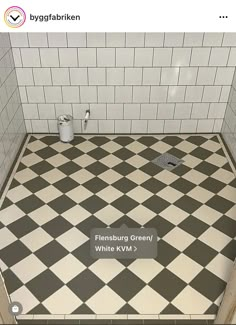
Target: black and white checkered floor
{"type": "Point", "coordinates": [61, 191]}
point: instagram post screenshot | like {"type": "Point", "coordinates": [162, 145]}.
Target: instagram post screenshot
{"type": "Point", "coordinates": [117, 162]}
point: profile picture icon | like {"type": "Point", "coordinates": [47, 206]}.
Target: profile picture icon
{"type": "Point", "coordinates": [14, 17]}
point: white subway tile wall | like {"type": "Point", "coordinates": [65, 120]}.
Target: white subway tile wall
{"type": "Point", "coordinates": [12, 125]}
{"type": "Point", "coordinates": [52, 94]}
{"type": "Point", "coordinates": [133, 76]}
{"type": "Point", "coordinates": [63, 109]}
{"type": "Point", "coordinates": [115, 76]}
{"type": "Point", "coordinates": [46, 111]}
{"type": "Point", "coordinates": [37, 39]}
{"type": "Point", "coordinates": [78, 76]}
{"type": "Point", "coordinates": [154, 39]}
{"type": "Point", "coordinates": [88, 94]}
{"type": "Point", "coordinates": [187, 76]}
{"type": "Point", "coordinates": [76, 39]}
{"type": "Point", "coordinates": [193, 39]}
{"type": "Point", "coordinates": [148, 111]}
{"type": "Point", "coordinates": [212, 39]}
{"type": "Point", "coordinates": [96, 40]}
{"type": "Point", "coordinates": [155, 126]}
{"type": "Point", "coordinates": [106, 57]}
{"type": "Point", "coordinates": [41, 76]}
{"type": "Point", "coordinates": [132, 82]}
{"type": "Point", "coordinates": [68, 57]}
{"type": "Point", "coordinates": [57, 40]}
{"type": "Point", "coordinates": [96, 76]}
{"type": "Point", "coordinates": [115, 111]}
{"type": "Point", "coordinates": [115, 39]}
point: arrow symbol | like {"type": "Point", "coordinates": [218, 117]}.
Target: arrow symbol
{"type": "Point", "coordinates": [135, 248]}
{"type": "Point", "coordinates": [14, 18]}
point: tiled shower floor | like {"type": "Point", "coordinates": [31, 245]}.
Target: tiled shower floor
{"type": "Point", "coordinates": [61, 191]}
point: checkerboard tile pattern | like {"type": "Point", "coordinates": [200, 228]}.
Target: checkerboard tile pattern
{"type": "Point", "coordinates": [61, 191]}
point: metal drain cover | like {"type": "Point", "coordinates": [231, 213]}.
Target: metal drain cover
{"type": "Point", "coordinates": [167, 161]}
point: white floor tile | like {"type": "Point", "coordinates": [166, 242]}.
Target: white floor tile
{"type": "Point", "coordinates": [18, 193]}
{"type": "Point", "coordinates": [84, 160]}
{"type": "Point", "coordinates": [108, 215]}
{"type": "Point", "coordinates": [200, 194]}
{"type": "Point", "coordinates": [229, 193]}
{"type": "Point", "coordinates": [174, 214]}
{"type": "Point", "coordinates": [194, 177]}
{"type": "Point", "coordinates": [36, 239]}
{"type": "Point", "coordinates": [31, 159]}
{"type": "Point", "coordinates": [82, 176]}
{"type": "Point", "coordinates": [161, 147]}
{"type": "Point", "coordinates": [185, 268]}
{"type": "Point", "coordinates": [211, 145]}
{"type": "Point", "coordinates": [207, 214]}
{"type": "Point", "coordinates": [86, 146]}
{"type": "Point", "coordinates": [138, 177]}
{"type": "Point", "coordinates": [141, 215]}
{"type": "Point", "coordinates": [191, 161]}
{"type": "Point", "coordinates": [170, 194]}
{"type": "Point", "coordinates": [63, 300]}
{"type": "Point", "coordinates": [75, 215]}
{"type": "Point", "coordinates": [136, 147]}
{"type": "Point", "coordinates": [25, 175]}
{"type": "Point", "coordinates": [61, 146]}
{"type": "Point", "coordinates": [48, 194]}
{"type": "Point", "coordinates": [110, 176]}
{"type": "Point", "coordinates": [179, 239]}
{"type": "Point", "coordinates": [28, 268]}
{"type": "Point", "coordinates": [72, 239]}
{"type": "Point", "coordinates": [154, 304]}
{"type": "Point", "coordinates": [232, 213]}
{"type": "Point", "coordinates": [10, 214]}
{"type": "Point", "coordinates": [36, 145]}
{"type": "Point", "coordinates": [189, 301]}
{"type": "Point", "coordinates": [139, 194]}
{"type": "Point", "coordinates": [166, 177]}
{"type": "Point", "coordinates": [78, 194]}
{"type": "Point", "coordinates": [43, 215]}
{"type": "Point", "coordinates": [217, 160]}
{"type": "Point", "coordinates": [137, 161]}
{"type": "Point", "coordinates": [26, 298]}
{"type": "Point", "coordinates": [6, 237]}
{"type": "Point", "coordinates": [106, 269]}
{"type": "Point", "coordinates": [146, 269]}
{"type": "Point", "coordinates": [113, 301]}
{"type": "Point", "coordinates": [186, 146]}
{"type": "Point", "coordinates": [111, 146]}
{"type": "Point", "coordinates": [221, 266]}
{"type": "Point", "coordinates": [110, 161]}
{"type": "Point", "coordinates": [53, 176]}
{"type": "Point", "coordinates": [57, 160]}
{"type": "Point", "coordinates": [223, 175]}
{"type": "Point", "coordinates": [109, 194]}
{"type": "Point", "coordinates": [67, 268]}
{"type": "Point", "coordinates": [215, 239]}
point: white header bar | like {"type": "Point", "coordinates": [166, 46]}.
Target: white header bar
{"type": "Point", "coordinates": [118, 16]}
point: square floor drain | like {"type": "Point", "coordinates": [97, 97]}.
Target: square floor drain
{"type": "Point", "coordinates": [167, 161]}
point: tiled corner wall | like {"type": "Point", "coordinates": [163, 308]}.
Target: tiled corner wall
{"type": "Point", "coordinates": [12, 126]}
{"type": "Point", "coordinates": [229, 124]}
{"type": "Point", "coordinates": [132, 82]}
